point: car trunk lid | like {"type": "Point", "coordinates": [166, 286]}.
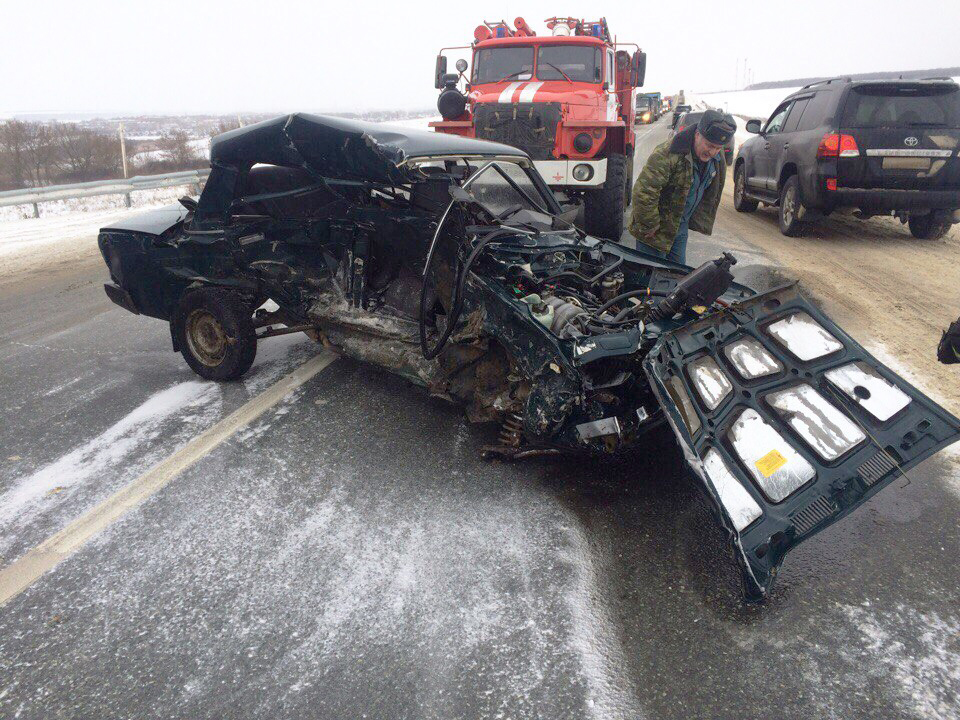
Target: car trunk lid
{"type": "Point", "coordinates": [907, 135]}
{"type": "Point", "coordinates": [788, 422]}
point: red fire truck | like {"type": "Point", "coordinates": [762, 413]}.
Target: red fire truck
{"type": "Point", "coordinates": [565, 98]}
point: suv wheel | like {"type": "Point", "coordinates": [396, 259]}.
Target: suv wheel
{"type": "Point", "coordinates": [932, 226]}
{"type": "Point", "coordinates": [790, 208]}
{"type": "Point", "coordinates": [740, 202]}
{"type": "Point", "coordinates": [214, 332]}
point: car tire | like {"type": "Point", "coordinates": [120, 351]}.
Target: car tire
{"type": "Point", "coordinates": [603, 208]}
{"type": "Point", "coordinates": [628, 185]}
{"type": "Point", "coordinates": [741, 203]}
{"type": "Point", "coordinates": [214, 332]}
{"type": "Point", "coordinates": [931, 226]}
{"type": "Point", "coordinates": [790, 207]}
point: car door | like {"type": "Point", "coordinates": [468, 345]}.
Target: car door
{"type": "Point", "coordinates": [788, 422]}
{"type": "Point", "coordinates": [768, 151]}
{"type": "Point", "coordinates": [780, 143]}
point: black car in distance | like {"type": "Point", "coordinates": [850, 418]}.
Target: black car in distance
{"type": "Point", "coordinates": [880, 147]}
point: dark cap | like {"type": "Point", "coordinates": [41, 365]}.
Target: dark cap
{"type": "Point", "coordinates": [717, 127]}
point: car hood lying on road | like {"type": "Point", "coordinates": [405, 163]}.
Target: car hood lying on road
{"type": "Point", "coordinates": [447, 261]}
{"type": "Point", "coordinates": [789, 423]}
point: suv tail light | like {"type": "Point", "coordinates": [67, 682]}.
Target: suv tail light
{"type": "Point", "coordinates": [836, 145]}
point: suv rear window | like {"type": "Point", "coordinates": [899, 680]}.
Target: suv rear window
{"type": "Point", "coordinates": [902, 106]}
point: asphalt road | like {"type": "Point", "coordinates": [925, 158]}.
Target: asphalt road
{"type": "Point", "coordinates": [347, 555]}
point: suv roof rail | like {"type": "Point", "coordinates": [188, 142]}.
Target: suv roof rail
{"type": "Point", "coordinates": [938, 77]}
{"type": "Point", "coordinates": [827, 81]}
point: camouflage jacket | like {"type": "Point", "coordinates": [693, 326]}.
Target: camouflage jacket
{"type": "Point", "coordinates": [660, 193]}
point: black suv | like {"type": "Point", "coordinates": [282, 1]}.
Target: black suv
{"type": "Point", "coordinates": [884, 147]}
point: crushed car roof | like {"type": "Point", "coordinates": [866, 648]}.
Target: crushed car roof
{"type": "Point", "coordinates": [342, 148]}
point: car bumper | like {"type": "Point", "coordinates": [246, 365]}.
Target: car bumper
{"type": "Point", "coordinates": [121, 297]}
{"type": "Point", "coordinates": [559, 173]}
{"type": "Point", "coordinates": [894, 199]}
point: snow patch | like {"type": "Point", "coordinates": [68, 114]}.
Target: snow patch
{"type": "Point", "coordinates": [594, 636]}
{"type": "Point", "coordinates": [923, 669]}
{"type": "Point", "coordinates": [105, 452]}
{"type": "Point", "coordinates": [139, 200]}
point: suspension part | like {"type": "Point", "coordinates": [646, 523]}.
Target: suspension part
{"type": "Point", "coordinates": [511, 432]}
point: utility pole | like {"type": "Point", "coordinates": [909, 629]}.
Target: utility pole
{"type": "Point", "coordinates": [736, 76]}
{"type": "Point", "coordinates": [123, 152]}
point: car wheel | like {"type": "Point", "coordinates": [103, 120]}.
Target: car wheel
{"type": "Point", "coordinates": [604, 207]}
{"type": "Point", "coordinates": [931, 226]}
{"type": "Point", "coordinates": [628, 186]}
{"type": "Point", "coordinates": [741, 203]}
{"type": "Point", "coordinates": [214, 332]}
{"type": "Point", "coordinates": [790, 208]}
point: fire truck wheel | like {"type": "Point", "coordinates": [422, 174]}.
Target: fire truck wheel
{"type": "Point", "coordinates": [628, 186]}
{"type": "Point", "coordinates": [604, 207]}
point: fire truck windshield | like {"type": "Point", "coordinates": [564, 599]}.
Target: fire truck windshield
{"type": "Point", "coordinates": [580, 63]}
{"type": "Point", "coordinates": [503, 63]}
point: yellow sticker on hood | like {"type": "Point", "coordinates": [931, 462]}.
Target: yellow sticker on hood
{"type": "Point", "coordinates": [770, 463]}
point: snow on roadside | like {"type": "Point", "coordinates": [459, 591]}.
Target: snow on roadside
{"type": "Point", "coordinates": [139, 200]}
{"type": "Point", "coordinates": [746, 103]}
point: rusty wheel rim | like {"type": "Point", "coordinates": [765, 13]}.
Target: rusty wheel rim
{"type": "Point", "coordinates": [205, 337]}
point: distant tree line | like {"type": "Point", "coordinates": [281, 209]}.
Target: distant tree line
{"type": "Point", "coordinates": [33, 154]}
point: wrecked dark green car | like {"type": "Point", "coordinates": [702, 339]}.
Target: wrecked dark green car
{"type": "Point", "coordinates": [448, 261]}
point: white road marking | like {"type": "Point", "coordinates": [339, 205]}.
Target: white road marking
{"type": "Point", "coordinates": [641, 137]}
{"type": "Point", "coordinates": [508, 92]}
{"type": "Point", "coordinates": [526, 95]}
{"type": "Point", "coordinates": [20, 574]}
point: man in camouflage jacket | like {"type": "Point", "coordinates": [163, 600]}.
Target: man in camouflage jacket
{"type": "Point", "coordinates": [680, 187]}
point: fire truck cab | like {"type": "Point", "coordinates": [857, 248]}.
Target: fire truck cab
{"type": "Point", "coordinates": [566, 99]}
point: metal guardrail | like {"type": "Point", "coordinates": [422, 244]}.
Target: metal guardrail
{"type": "Point", "coordinates": [35, 196]}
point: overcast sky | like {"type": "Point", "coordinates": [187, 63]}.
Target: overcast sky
{"type": "Point", "coordinates": [218, 56]}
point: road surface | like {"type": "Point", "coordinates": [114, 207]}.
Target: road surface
{"type": "Point", "coordinates": [347, 555]}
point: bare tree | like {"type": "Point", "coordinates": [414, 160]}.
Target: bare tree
{"type": "Point", "coordinates": [175, 148]}
{"type": "Point", "coordinates": [13, 151]}
{"type": "Point", "coordinates": [223, 126]}
{"type": "Point", "coordinates": [85, 154]}
{"type": "Point", "coordinates": [41, 153]}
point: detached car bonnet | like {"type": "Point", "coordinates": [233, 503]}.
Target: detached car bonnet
{"type": "Point", "coordinates": [788, 422]}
